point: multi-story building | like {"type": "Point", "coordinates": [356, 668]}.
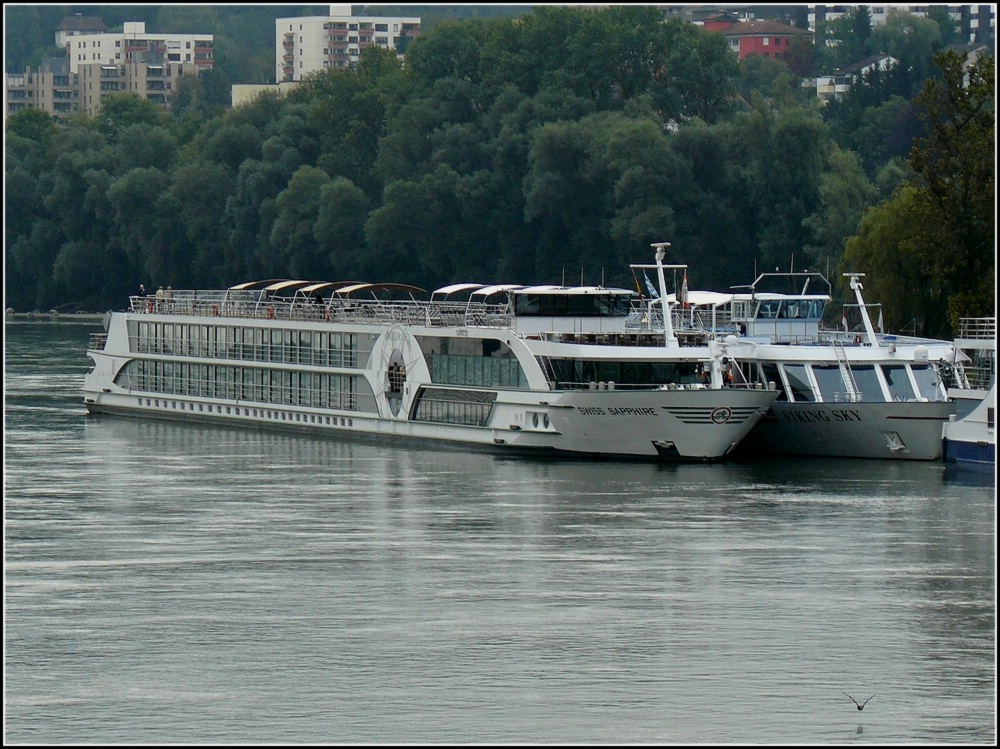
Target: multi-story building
{"type": "Point", "coordinates": [51, 88]}
{"type": "Point", "coordinates": [98, 64]}
{"type": "Point", "coordinates": [976, 22]}
{"type": "Point", "coordinates": [768, 39]}
{"type": "Point", "coordinates": [122, 47]}
{"type": "Point", "coordinates": [149, 76]}
{"type": "Point", "coordinates": [55, 90]}
{"type": "Point", "coordinates": [314, 43]}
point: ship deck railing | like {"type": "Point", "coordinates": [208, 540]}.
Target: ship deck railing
{"type": "Point", "coordinates": [977, 328]}
{"type": "Point", "coordinates": [223, 304]}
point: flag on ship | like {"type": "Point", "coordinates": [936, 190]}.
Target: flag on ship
{"type": "Point", "coordinates": [881, 329]}
{"type": "Point", "coordinates": [844, 322]}
{"type": "Point", "coordinates": [652, 290]}
{"type": "Point", "coordinates": [684, 290]}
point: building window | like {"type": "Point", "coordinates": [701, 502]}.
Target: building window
{"type": "Point", "coordinates": [767, 41]}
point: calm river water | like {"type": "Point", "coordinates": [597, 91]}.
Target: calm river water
{"type": "Point", "coordinates": [169, 583]}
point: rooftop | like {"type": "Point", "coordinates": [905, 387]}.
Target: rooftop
{"type": "Point", "coordinates": [82, 23]}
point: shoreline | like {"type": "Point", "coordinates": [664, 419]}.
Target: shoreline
{"type": "Point", "coordinates": [63, 316]}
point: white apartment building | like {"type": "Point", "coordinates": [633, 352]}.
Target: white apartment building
{"type": "Point", "coordinates": [978, 21]}
{"type": "Point", "coordinates": [314, 43]}
{"type": "Point", "coordinates": [133, 43]}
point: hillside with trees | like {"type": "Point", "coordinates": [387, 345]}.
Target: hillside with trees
{"type": "Point", "coordinates": [489, 157]}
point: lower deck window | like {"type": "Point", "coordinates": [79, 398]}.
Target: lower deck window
{"type": "Point", "coordinates": [468, 407]}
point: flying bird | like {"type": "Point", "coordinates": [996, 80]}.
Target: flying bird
{"type": "Point", "coordinates": [861, 705]}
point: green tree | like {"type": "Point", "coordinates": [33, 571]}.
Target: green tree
{"type": "Point", "coordinates": [298, 207]}
{"type": "Point", "coordinates": [887, 249]}
{"type": "Point", "coordinates": [780, 160]}
{"type": "Point", "coordinates": [801, 56]}
{"type": "Point", "coordinates": [339, 229]}
{"type": "Point", "coordinates": [930, 248]}
{"type": "Point", "coordinates": [33, 124]}
{"type": "Point", "coordinates": [957, 165]}
{"type": "Point", "coordinates": [419, 227]}
{"type": "Point", "coordinates": [194, 203]}
{"type": "Point", "coordinates": [844, 193]}
{"type": "Point", "coordinates": [951, 32]}
{"type": "Point", "coordinates": [133, 201]}
{"type": "Point", "coordinates": [699, 73]}
{"type": "Point", "coordinates": [120, 111]}
{"type": "Point", "coordinates": [911, 40]}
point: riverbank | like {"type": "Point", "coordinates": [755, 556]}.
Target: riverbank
{"type": "Point", "coordinates": [63, 316]}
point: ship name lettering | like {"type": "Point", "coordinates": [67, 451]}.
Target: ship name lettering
{"type": "Point", "coordinates": [598, 411]}
{"type": "Point", "coordinates": [806, 417]}
{"type": "Point", "coordinates": [811, 417]}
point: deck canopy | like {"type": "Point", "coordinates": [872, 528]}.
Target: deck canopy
{"type": "Point", "coordinates": [250, 285]}
{"type": "Point", "coordinates": [313, 293]}
{"type": "Point", "coordinates": [284, 286]}
{"type": "Point", "coordinates": [536, 289]}
{"type": "Point", "coordinates": [454, 288]}
{"type": "Point", "coordinates": [374, 287]}
{"type": "Point", "coordinates": [487, 291]}
{"type": "Point", "coordinates": [314, 287]}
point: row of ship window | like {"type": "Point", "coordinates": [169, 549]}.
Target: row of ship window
{"type": "Point", "coordinates": [310, 347]}
{"type": "Point", "coordinates": [465, 407]}
{"type": "Point", "coordinates": [257, 413]}
{"type": "Point", "coordinates": [315, 389]}
{"type": "Point", "coordinates": [830, 382]}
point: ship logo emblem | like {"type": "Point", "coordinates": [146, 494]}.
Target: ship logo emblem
{"type": "Point", "coordinates": [721, 415]}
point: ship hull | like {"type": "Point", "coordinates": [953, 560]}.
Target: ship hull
{"type": "Point", "coordinates": [891, 431]}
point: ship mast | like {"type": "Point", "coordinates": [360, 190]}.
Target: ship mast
{"type": "Point", "coordinates": [668, 325]}
{"type": "Point", "coordinates": [856, 287]}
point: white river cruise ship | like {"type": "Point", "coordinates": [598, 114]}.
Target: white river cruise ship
{"type": "Point", "coordinates": [853, 391]}
{"type": "Point", "coordinates": [573, 371]}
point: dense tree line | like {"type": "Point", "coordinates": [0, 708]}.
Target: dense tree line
{"type": "Point", "coordinates": [552, 147]}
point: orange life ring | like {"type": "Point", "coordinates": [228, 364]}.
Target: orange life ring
{"type": "Point", "coordinates": [215, 310]}
{"type": "Point", "coordinates": [270, 313]}
{"type": "Point", "coordinates": [149, 305]}
{"type": "Point", "coordinates": [857, 339]}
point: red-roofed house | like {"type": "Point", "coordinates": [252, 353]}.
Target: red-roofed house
{"type": "Point", "coordinates": [763, 38]}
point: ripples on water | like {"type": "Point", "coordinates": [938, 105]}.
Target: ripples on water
{"type": "Point", "coordinates": [178, 583]}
